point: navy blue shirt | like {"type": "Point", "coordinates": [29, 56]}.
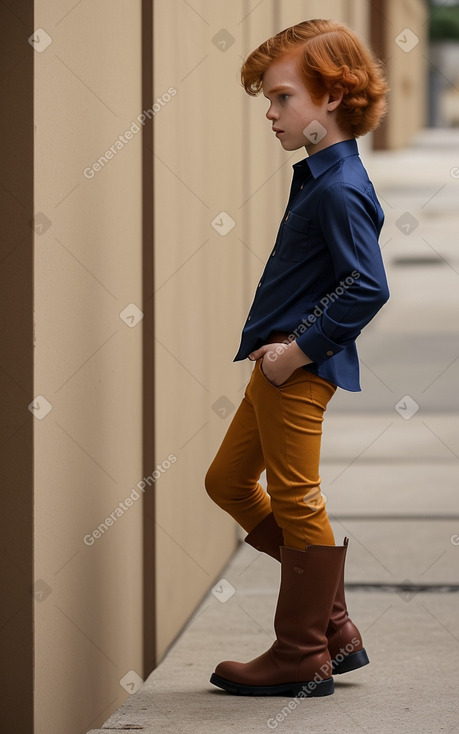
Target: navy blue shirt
{"type": "Point", "coordinates": [325, 279]}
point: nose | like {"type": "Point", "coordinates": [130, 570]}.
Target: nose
{"type": "Point", "coordinates": [271, 115]}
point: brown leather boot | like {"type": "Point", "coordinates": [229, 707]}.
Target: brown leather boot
{"type": "Point", "coordinates": [298, 663]}
{"type": "Point", "coordinates": [344, 639]}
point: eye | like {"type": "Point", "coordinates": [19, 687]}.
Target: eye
{"type": "Point", "coordinates": [284, 97]}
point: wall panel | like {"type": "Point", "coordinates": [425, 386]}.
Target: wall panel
{"type": "Point", "coordinates": [88, 360]}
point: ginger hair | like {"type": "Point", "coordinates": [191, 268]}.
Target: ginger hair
{"type": "Point", "coordinates": [331, 58]}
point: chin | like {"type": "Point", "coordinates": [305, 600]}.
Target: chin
{"type": "Point", "coordinates": [291, 145]}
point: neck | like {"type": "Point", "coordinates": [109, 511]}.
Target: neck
{"type": "Point", "coordinates": [332, 137]}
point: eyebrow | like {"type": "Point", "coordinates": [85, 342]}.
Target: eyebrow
{"type": "Point", "coordinates": [279, 88]}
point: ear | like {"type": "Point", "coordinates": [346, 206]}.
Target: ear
{"type": "Point", "coordinates": [334, 99]}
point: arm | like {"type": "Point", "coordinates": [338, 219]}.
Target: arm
{"type": "Point", "coordinates": [349, 222]}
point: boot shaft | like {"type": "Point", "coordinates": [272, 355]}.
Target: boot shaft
{"type": "Point", "coordinates": [309, 580]}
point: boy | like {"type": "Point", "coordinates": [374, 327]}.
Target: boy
{"type": "Point", "coordinates": [323, 282]}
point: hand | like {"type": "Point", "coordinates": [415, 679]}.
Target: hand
{"type": "Point", "coordinates": [280, 360]}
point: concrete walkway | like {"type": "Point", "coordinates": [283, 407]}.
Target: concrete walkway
{"type": "Point", "coordinates": [390, 472]}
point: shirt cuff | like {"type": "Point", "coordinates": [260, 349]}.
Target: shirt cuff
{"type": "Point", "coordinates": [317, 346]}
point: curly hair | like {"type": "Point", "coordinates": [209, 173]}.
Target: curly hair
{"type": "Point", "coordinates": [330, 58]}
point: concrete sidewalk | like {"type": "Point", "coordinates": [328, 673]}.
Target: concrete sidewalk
{"type": "Point", "coordinates": [390, 472]}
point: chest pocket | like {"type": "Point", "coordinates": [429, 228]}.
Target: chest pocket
{"type": "Point", "coordinates": [295, 234]}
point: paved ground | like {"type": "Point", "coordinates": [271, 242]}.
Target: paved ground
{"type": "Point", "coordinates": [390, 471]}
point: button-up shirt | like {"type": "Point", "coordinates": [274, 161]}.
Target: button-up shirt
{"type": "Point", "coordinates": [324, 279]}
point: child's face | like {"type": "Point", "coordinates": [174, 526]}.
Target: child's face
{"type": "Point", "coordinates": [292, 110]}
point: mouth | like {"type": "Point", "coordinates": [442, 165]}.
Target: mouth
{"type": "Point", "coordinates": [278, 131]}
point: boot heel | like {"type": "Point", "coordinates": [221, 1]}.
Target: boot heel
{"type": "Point", "coordinates": [351, 662]}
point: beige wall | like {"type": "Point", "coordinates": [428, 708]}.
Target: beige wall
{"type": "Point", "coordinates": [88, 625]}
{"type": "Point", "coordinates": [199, 294]}
{"type": "Point", "coordinates": [407, 69]}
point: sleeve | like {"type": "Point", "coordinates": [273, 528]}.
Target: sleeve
{"type": "Point", "coordinates": [349, 221]}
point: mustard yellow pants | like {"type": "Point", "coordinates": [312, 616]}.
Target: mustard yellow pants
{"type": "Point", "coordinates": [278, 429]}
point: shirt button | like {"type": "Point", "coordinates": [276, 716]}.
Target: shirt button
{"type": "Point", "coordinates": [259, 284]}
{"type": "Point", "coordinates": [287, 217]}
{"type": "Point", "coordinates": [248, 319]}
{"type": "Point", "coordinates": [329, 353]}
{"type": "Point", "coordinates": [273, 253]}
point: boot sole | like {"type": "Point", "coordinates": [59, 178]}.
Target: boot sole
{"type": "Point", "coordinates": [351, 662]}
{"type": "Point", "coordinates": [307, 689]}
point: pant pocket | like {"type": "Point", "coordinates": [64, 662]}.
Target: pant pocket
{"type": "Point", "coordinates": [271, 384]}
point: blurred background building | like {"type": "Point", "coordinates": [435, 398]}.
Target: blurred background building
{"type": "Point", "coordinates": [444, 64]}
{"type": "Point", "coordinates": [141, 191]}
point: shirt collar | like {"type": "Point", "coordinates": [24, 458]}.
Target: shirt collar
{"type": "Point", "coordinates": [320, 162]}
